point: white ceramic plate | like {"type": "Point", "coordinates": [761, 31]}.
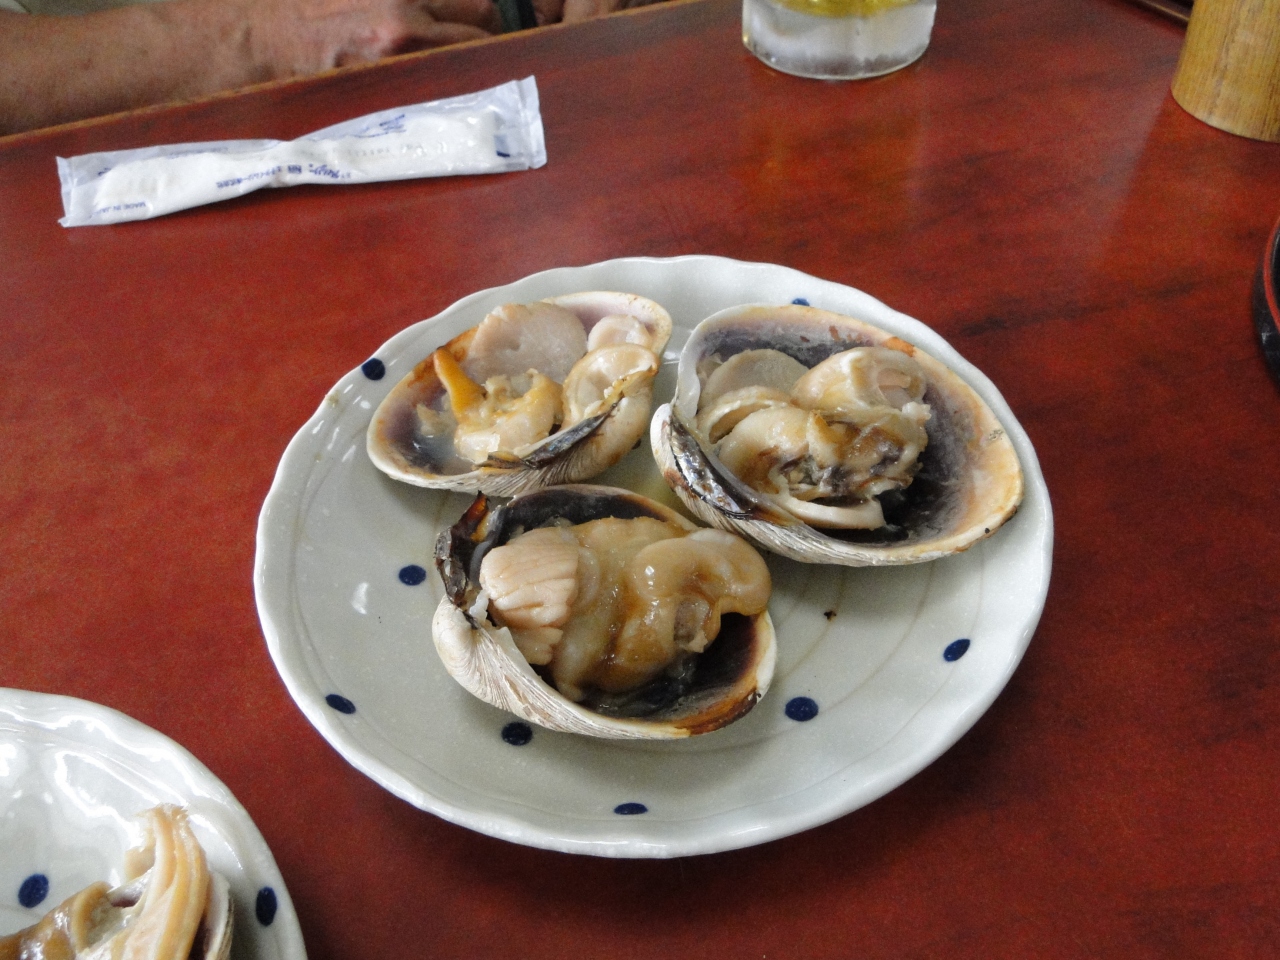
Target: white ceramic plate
{"type": "Point", "coordinates": [874, 650]}
{"type": "Point", "coordinates": [74, 775]}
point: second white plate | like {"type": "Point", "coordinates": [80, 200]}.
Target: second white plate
{"type": "Point", "coordinates": [74, 775]}
{"type": "Point", "coordinates": [879, 670]}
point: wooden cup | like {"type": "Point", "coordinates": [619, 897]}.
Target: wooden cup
{"type": "Point", "coordinates": [1228, 74]}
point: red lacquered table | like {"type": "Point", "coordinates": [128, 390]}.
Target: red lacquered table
{"type": "Point", "coordinates": [1028, 189]}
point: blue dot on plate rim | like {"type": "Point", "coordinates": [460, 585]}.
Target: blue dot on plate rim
{"type": "Point", "coordinates": [517, 733]}
{"type": "Point", "coordinates": [955, 650]}
{"type": "Point", "coordinates": [630, 809]}
{"type": "Point", "coordinates": [340, 703]}
{"type": "Point", "coordinates": [800, 302]}
{"type": "Point", "coordinates": [801, 709]}
{"type": "Point", "coordinates": [374, 369]}
{"type": "Point", "coordinates": [264, 907]}
{"type": "Point", "coordinates": [33, 890]}
{"type": "Point", "coordinates": [411, 575]}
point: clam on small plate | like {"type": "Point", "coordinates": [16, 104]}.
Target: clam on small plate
{"type": "Point", "coordinates": [73, 777]}
{"type": "Point", "coordinates": [879, 670]}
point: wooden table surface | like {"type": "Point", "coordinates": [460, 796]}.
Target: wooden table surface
{"type": "Point", "coordinates": [1029, 189]}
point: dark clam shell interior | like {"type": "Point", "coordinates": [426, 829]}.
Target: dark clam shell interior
{"type": "Point", "coordinates": [930, 505]}
{"type": "Point", "coordinates": [700, 688]}
{"type": "Point", "coordinates": [696, 693]}
{"type": "Point", "coordinates": [433, 454]}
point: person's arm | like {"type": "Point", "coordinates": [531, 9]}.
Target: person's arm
{"type": "Point", "coordinates": [57, 69]}
{"type": "Point", "coordinates": [574, 11]}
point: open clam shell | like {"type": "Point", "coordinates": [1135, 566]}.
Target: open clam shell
{"type": "Point", "coordinates": [969, 480]}
{"type": "Point", "coordinates": [579, 449]}
{"type": "Point", "coordinates": [727, 680]}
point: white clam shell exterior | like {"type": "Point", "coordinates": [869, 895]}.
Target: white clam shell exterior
{"type": "Point", "coordinates": [219, 919]}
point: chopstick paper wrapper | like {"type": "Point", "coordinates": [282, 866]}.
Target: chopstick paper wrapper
{"type": "Point", "coordinates": [492, 131]}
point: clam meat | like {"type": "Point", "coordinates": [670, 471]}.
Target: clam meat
{"type": "Point", "coordinates": [594, 610]}
{"type": "Point", "coordinates": [548, 392]}
{"type": "Point", "coordinates": [171, 907]}
{"type": "Point", "coordinates": [825, 439]}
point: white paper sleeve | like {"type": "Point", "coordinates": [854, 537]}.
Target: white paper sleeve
{"type": "Point", "coordinates": [491, 131]}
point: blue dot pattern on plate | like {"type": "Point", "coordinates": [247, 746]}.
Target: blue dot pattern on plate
{"type": "Point", "coordinates": [264, 908]}
{"type": "Point", "coordinates": [517, 734]}
{"type": "Point", "coordinates": [801, 709]}
{"type": "Point", "coordinates": [412, 575]}
{"type": "Point", "coordinates": [800, 302]}
{"type": "Point", "coordinates": [374, 369]}
{"type": "Point", "coordinates": [955, 650]}
{"type": "Point", "coordinates": [33, 890]}
{"type": "Point", "coordinates": [340, 703]}
{"type": "Point", "coordinates": [630, 809]}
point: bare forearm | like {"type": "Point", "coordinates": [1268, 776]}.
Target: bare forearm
{"type": "Point", "coordinates": [58, 69]}
{"type": "Point", "coordinates": [63, 68]}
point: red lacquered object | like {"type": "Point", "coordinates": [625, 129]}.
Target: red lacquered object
{"type": "Point", "coordinates": [1266, 303]}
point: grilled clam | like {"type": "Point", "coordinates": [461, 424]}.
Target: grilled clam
{"type": "Point", "coordinates": [596, 611]}
{"type": "Point", "coordinates": [171, 907]}
{"type": "Point", "coordinates": [537, 394]}
{"type": "Point", "coordinates": [827, 440]}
